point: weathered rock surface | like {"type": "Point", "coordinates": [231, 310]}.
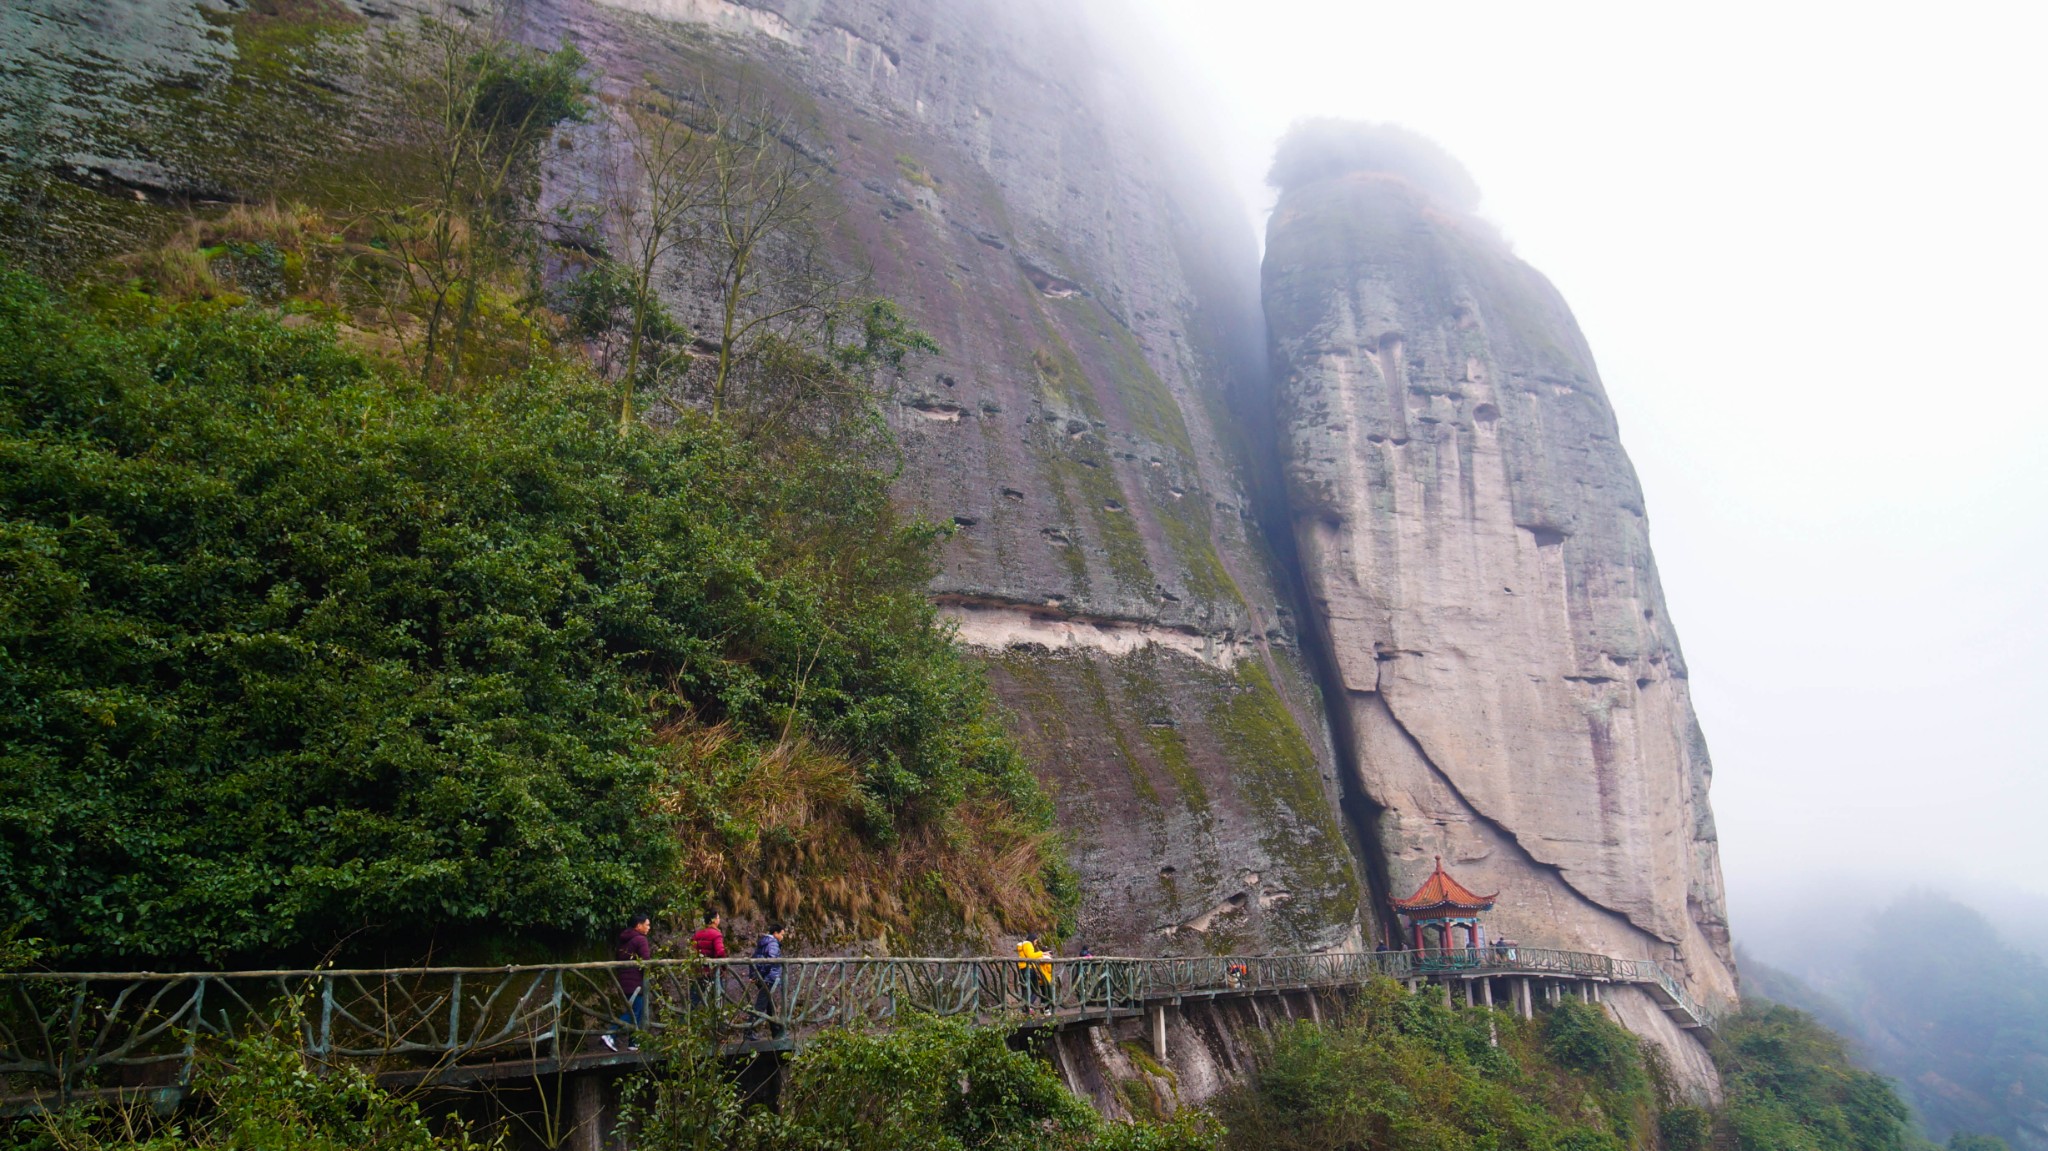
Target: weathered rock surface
{"type": "Point", "coordinates": [1093, 292]}
{"type": "Point", "coordinates": [1475, 547]}
{"type": "Point", "coordinates": [1503, 686]}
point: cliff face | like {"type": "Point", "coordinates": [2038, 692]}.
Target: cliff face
{"type": "Point", "coordinates": [1475, 548]}
{"type": "Point", "coordinates": [1093, 293]}
{"type": "Point", "coordinates": [1474, 576]}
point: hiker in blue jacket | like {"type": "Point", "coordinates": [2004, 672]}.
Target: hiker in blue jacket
{"type": "Point", "coordinates": [767, 977]}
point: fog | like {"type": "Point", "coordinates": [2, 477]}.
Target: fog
{"type": "Point", "coordinates": [1807, 246]}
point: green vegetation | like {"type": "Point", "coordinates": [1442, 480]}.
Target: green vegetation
{"type": "Point", "coordinates": [332, 612]}
{"type": "Point", "coordinates": [927, 1085]}
{"type": "Point", "coordinates": [1280, 777]}
{"type": "Point", "coordinates": [250, 1094]}
{"type": "Point", "coordinates": [1402, 1073]}
{"type": "Point", "coordinates": [1791, 1086]}
{"type": "Point", "coordinates": [293, 647]}
{"type": "Point", "coordinates": [1976, 1006]}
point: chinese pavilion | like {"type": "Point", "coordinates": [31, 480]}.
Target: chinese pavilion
{"type": "Point", "coordinates": [1442, 908]}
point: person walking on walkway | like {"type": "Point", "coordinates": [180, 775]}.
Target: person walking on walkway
{"type": "Point", "coordinates": [709, 943]}
{"type": "Point", "coordinates": [632, 949]}
{"type": "Point", "coordinates": [1036, 977]}
{"type": "Point", "coordinates": [767, 977]}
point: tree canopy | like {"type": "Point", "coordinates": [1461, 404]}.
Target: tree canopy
{"type": "Point", "coordinates": [294, 649]}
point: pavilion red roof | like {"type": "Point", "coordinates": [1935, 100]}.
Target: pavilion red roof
{"type": "Point", "coordinates": [1441, 892]}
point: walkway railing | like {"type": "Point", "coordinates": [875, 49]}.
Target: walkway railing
{"type": "Point", "coordinates": [66, 1033]}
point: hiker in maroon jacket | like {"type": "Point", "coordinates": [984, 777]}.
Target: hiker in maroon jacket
{"type": "Point", "coordinates": [710, 944]}
{"type": "Point", "coordinates": [631, 949]}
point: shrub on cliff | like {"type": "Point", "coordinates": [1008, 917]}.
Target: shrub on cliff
{"type": "Point", "coordinates": [292, 648]}
{"type": "Point", "coordinates": [1791, 1086]}
{"type": "Point", "coordinates": [1403, 1073]}
{"type": "Point", "coordinates": [256, 1092]}
{"type": "Point", "coordinates": [929, 1084]}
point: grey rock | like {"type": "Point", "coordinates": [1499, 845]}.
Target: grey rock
{"type": "Point", "coordinates": [1478, 564]}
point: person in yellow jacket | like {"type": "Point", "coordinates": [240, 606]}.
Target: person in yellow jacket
{"type": "Point", "coordinates": [1036, 977]}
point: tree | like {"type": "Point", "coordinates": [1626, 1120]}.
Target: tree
{"type": "Point", "coordinates": [294, 649]}
{"type": "Point", "coordinates": [653, 210]}
{"type": "Point", "coordinates": [477, 107]}
{"type": "Point", "coordinates": [767, 273]}
{"type": "Point", "coordinates": [1791, 1086]}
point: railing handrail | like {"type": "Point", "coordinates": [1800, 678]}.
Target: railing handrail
{"type": "Point", "coordinates": [1487, 956]}
{"type": "Point", "coordinates": [64, 1025]}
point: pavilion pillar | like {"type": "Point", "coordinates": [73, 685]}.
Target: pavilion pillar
{"type": "Point", "coordinates": [1486, 991]}
{"type": "Point", "coordinates": [1471, 994]}
{"type": "Point", "coordinates": [1445, 986]}
{"type": "Point", "coordinates": [1585, 992]}
{"type": "Point", "coordinates": [1523, 999]}
{"type": "Point", "coordinates": [1159, 1032]}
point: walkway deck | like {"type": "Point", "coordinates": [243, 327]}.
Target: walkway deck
{"type": "Point", "coordinates": [67, 1034]}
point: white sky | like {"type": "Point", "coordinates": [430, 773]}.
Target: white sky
{"type": "Point", "coordinates": [1806, 243]}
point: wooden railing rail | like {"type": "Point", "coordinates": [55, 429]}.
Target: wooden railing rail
{"type": "Point", "coordinates": [66, 1032]}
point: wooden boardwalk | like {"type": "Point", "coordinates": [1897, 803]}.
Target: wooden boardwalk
{"type": "Point", "coordinates": [70, 1034]}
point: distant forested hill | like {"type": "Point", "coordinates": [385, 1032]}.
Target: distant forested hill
{"type": "Point", "coordinates": [1937, 997]}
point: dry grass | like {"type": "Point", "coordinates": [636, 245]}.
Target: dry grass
{"type": "Point", "coordinates": [777, 833]}
{"type": "Point", "coordinates": [178, 271]}
{"type": "Point", "coordinates": [189, 263]}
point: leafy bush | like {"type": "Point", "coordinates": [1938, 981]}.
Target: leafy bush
{"type": "Point", "coordinates": [291, 648]}
{"type": "Point", "coordinates": [1580, 1037]}
{"type": "Point", "coordinates": [1791, 1086]}
{"type": "Point", "coordinates": [927, 1085]}
{"type": "Point", "coordinates": [1403, 1073]}
{"type": "Point", "coordinates": [253, 1094]}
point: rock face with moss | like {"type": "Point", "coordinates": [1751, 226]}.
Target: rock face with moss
{"type": "Point", "coordinates": [1490, 644]}
{"type": "Point", "coordinates": [1093, 293]}
{"type": "Point", "coordinates": [1478, 561]}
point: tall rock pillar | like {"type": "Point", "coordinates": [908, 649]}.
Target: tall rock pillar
{"type": "Point", "coordinates": [1478, 565]}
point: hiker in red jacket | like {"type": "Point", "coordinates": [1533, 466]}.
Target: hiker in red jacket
{"type": "Point", "coordinates": [710, 944]}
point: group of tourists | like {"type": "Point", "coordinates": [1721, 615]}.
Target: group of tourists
{"type": "Point", "coordinates": [632, 949]}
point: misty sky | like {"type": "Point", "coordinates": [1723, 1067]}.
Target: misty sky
{"type": "Point", "coordinates": [1807, 245]}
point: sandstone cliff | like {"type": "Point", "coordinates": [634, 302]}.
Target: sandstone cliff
{"type": "Point", "coordinates": [1454, 563]}
{"type": "Point", "coordinates": [1093, 292]}
{"type": "Point", "coordinates": [1474, 544]}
